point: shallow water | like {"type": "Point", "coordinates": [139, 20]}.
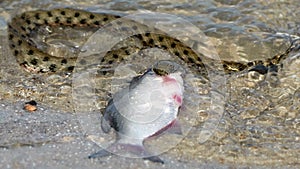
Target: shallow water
{"type": "Point", "coordinates": [260, 126]}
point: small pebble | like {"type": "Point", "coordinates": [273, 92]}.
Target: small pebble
{"type": "Point", "coordinates": [30, 106]}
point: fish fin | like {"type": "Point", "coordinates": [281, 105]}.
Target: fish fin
{"type": "Point", "coordinates": [136, 150]}
{"type": "Point", "coordinates": [175, 128]}
{"type": "Point", "coordinates": [155, 159]}
{"type": "Point", "coordinates": [141, 151]}
{"type": "Point", "coordinates": [101, 153]}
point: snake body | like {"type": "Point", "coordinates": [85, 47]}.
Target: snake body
{"type": "Point", "coordinates": [35, 60]}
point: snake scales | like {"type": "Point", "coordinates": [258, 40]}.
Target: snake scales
{"type": "Point", "coordinates": [35, 60]}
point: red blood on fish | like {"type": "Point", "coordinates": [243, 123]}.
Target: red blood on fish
{"type": "Point", "coordinates": [178, 99]}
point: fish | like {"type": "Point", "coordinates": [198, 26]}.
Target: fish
{"type": "Point", "coordinates": [147, 108]}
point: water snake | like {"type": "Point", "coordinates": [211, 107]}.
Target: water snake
{"type": "Point", "coordinates": [35, 60]}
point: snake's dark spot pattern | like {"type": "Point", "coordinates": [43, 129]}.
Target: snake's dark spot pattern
{"type": "Point", "coordinates": [127, 52]}
{"type": "Point", "coordinates": [64, 61]}
{"type": "Point", "coordinates": [160, 72]}
{"type": "Point", "coordinates": [30, 52]}
{"type": "Point", "coordinates": [24, 64]}
{"type": "Point", "coordinates": [83, 21]}
{"type": "Point", "coordinates": [92, 16]}
{"type": "Point", "coordinates": [69, 20]}
{"type": "Point", "coordinates": [173, 45]}
{"type": "Point", "coordinates": [49, 14]}
{"type": "Point", "coordinates": [160, 38]}
{"type": "Point", "coordinates": [105, 19]}
{"type": "Point", "coordinates": [241, 67]}
{"type": "Point", "coordinates": [19, 42]}
{"type": "Point", "coordinates": [177, 53]}
{"type": "Point", "coordinates": [260, 62]}
{"type": "Point", "coordinates": [57, 20]}
{"type": "Point", "coordinates": [23, 16]}
{"type": "Point", "coordinates": [199, 59]}
{"type": "Point", "coordinates": [46, 22]}
{"type": "Point", "coordinates": [96, 23]}
{"type": "Point", "coordinates": [151, 41]}
{"type": "Point", "coordinates": [42, 71]}
{"type": "Point", "coordinates": [12, 46]}
{"type": "Point", "coordinates": [11, 36]}
{"type": "Point", "coordinates": [200, 64]}
{"type": "Point", "coordinates": [28, 21]}
{"type": "Point", "coordinates": [34, 61]}
{"type": "Point", "coordinates": [46, 59]}
{"type": "Point", "coordinates": [63, 12]}
{"type": "Point", "coordinates": [140, 36]}
{"type": "Point", "coordinates": [147, 34]}
{"type": "Point", "coordinates": [52, 67]}
{"type": "Point", "coordinates": [30, 29]}
{"type": "Point", "coordinates": [77, 14]}
{"type": "Point", "coordinates": [164, 47]}
{"type": "Point", "coordinates": [116, 56]}
{"type": "Point", "coordinates": [250, 64]}
{"type": "Point", "coordinates": [37, 16]}
{"type": "Point", "coordinates": [110, 61]}
{"type": "Point", "coordinates": [23, 28]}
{"type": "Point", "coordinates": [191, 60]}
{"type": "Point", "coordinates": [185, 52]}
{"type": "Point", "coordinates": [70, 68]}
{"type": "Point", "coordinates": [16, 52]}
